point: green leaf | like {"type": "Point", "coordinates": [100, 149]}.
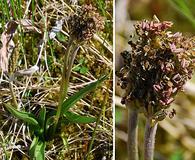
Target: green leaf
{"type": "Point", "coordinates": [39, 153]}
{"type": "Point", "coordinates": [84, 70]}
{"type": "Point", "coordinates": [49, 128]}
{"type": "Point", "coordinates": [70, 102]}
{"type": "Point", "coordinates": [32, 146]}
{"type": "Point", "coordinates": [77, 68]}
{"type": "Point", "coordinates": [101, 6]}
{"type": "Point", "coordinates": [183, 7]}
{"type": "Point", "coordinates": [177, 155]}
{"type": "Point", "coordinates": [37, 149]}
{"type": "Point", "coordinates": [50, 122]}
{"type": "Point", "coordinates": [41, 118]}
{"type": "Point", "coordinates": [75, 118]}
{"type": "Point", "coordinates": [25, 116]}
{"type": "Point", "coordinates": [61, 37]}
{"type": "Point", "coordinates": [81, 61]}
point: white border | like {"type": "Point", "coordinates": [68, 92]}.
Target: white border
{"type": "Point", "coordinates": [113, 102]}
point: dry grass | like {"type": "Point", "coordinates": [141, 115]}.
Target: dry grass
{"type": "Point", "coordinates": [41, 89]}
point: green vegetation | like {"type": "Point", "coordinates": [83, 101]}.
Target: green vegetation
{"type": "Point", "coordinates": [55, 92]}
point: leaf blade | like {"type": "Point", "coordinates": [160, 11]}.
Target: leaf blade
{"type": "Point", "coordinates": [25, 116]}
{"type": "Point", "coordinates": [49, 128]}
{"type": "Point", "coordinates": [77, 96]}
{"type": "Point", "coordinates": [37, 149]}
{"type": "Point", "coordinates": [40, 151]}
{"type": "Point", "coordinates": [32, 146]}
{"type": "Point", "coordinates": [42, 116]}
{"type": "Point", "coordinates": [75, 118]}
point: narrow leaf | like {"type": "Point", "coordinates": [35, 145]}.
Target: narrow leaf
{"type": "Point", "coordinates": [70, 102]}
{"type": "Point", "coordinates": [84, 70]}
{"type": "Point", "coordinates": [32, 146]}
{"type": "Point", "coordinates": [37, 149]}
{"type": "Point", "coordinates": [49, 128]}
{"type": "Point", "coordinates": [50, 122]}
{"type": "Point", "coordinates": [25, 116]}
{"type": "Point", "coordinates": [182, 7]}
{"type": "Point", "coordinates": [75, 118]}
{"type": "Point", "coordinates": [40, 151]}
{"type": "Point", "coordinates": [41, 118]}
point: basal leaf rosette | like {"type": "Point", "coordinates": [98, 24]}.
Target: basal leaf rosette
{"type": "Point", "coordinates": [157, 66]}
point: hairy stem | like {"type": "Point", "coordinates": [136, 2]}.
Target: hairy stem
{"type": "Point", "coordinates": [72, 60]}
{"type": "Point", "coordinates": [132, 146]}
{"type": "Point", "coordinates": [13, 96]}
{"type": "Point", "coordinates": [64, 81]}
{"type": "Point", "coordinates": [14, 101]}
{"type": "Point", "coordinates": [150, 132]}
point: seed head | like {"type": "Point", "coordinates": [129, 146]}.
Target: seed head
{"type": "Point", "coordinates": [157, 67]}
{"type": "Point", "coordinates": [85, 23]}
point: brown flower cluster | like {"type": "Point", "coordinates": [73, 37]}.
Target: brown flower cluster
{"type": "Point", "coordinates": [157, 67]}
{"type": "Point", "coordinates": [85, 23]}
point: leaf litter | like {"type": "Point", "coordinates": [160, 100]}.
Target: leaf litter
{"type": "Point", "coordinates": [40, 89]}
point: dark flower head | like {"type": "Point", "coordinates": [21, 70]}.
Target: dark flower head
{"type": "Point", "coordinates": [85, 23]}
{"type": "Point", "coordinates": [157, 67]}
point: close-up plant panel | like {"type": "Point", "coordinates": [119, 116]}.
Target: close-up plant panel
{"type": "Point", "coordinates": [155, 53]}
{"type": "Point", "coordinates": [56, 80]}
{"type": "Point", "coordinates": [97, 80]}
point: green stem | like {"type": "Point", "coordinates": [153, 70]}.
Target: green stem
{"type": "Point", "coordinates": [68, 62]}
{"type": "Point", "coordinates": [72, 60]}
{"type": "Point", "coordinates": [132, 144]}
{"type": "Point", "coordinates": [150, 132]}
{"type": "Point", "coordinates": [14, 101]}
{"type": "Point", "coordinates": [64, 82]}
{"type": "Point", "coordinates": [13, 96]}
